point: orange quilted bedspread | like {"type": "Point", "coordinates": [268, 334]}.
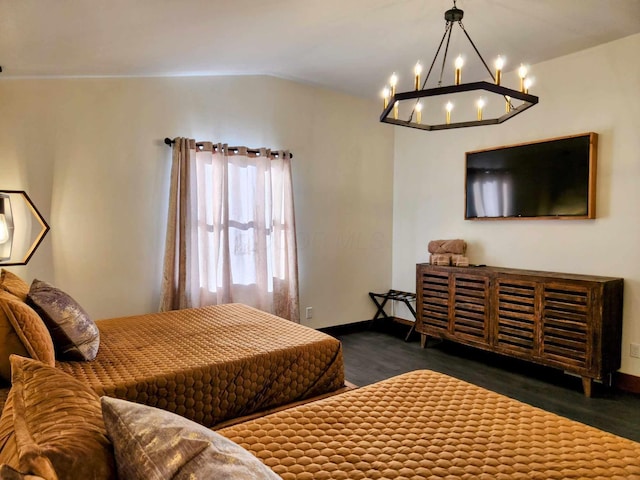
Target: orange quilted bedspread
{"type": "Point", "coordinates": [213, 363]}
{"type": "Point", "coordinates": [425, 425]}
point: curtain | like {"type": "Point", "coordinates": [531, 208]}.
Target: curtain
{"type": "Point", "coordinates": [230, 229]}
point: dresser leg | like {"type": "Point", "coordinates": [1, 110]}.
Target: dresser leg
{"type": "Point", "coordinates": [586, 386]}
{"type": "Point", "coordinates": [423, 340]}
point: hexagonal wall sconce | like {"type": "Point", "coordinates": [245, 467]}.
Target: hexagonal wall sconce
{"type": "Point", "coordinates": [22, 227]}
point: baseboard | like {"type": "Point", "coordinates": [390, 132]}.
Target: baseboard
{"type": "Point", "coordinates": [626, 382]}
{"type": "Point", "coordinates": [403, 321]}
{"type": "Point", "coordinates": [347, 328]}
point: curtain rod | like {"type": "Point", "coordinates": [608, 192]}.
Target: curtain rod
{"type": "Point", "coordinates": [170, 142]}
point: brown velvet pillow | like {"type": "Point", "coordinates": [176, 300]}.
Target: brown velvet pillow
{"type": "Point", "coordinates": [9, 342]}
{"type": "Point", "coordinates": [8, 473]}
{"type": "Point", "coordinates": [13, 284]}
{"type": "Point", "coordinates": [75, 336]}
{"type": "Point", "coordinates": [57, 425]}
{"type": "Point", "coordinates": [30, 329]}
{"type": "Point", "coordinates": [8, 447]}
{"type": "Point", "coordinates": [153, 444]}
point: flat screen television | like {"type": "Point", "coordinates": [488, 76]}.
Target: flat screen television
{"type": "Point", "coordinates": [550, 179]}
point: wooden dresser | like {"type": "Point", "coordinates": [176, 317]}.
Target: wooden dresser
{"type": "Point", "coordinates": [571, 322]}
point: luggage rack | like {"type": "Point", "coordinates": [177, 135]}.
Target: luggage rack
{"type": "Point", "coordinates": [399, 296]}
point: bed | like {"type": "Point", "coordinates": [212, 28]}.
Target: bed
{"type": "Point", "coordinates": [211, 364]}
{"type": "Point", "coordinates": [426, 425]}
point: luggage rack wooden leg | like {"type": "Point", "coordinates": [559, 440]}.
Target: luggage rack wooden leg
{"type": "Point", "coordinates": [395, 295]}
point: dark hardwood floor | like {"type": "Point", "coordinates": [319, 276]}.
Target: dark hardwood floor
{"type": "Point", "coordinates": [375, 353]}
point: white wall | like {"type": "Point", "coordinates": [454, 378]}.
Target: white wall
{"type": "Point", "coordinates": [594, 90]}
{"type": "Point", "coordinates": [90, 154]}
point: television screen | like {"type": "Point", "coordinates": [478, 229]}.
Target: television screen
{"type": "Point", "coordinates": [548, 179]}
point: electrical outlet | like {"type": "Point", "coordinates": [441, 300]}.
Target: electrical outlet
{"type": "Point", "coordinates": [634, 351]}
{"type": "Point", "coordinates": [308, 313]}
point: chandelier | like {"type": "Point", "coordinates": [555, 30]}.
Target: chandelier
{"type": "Point", "coordinates": [481, 103]}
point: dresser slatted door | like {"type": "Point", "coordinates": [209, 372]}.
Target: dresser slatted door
{"type": "Point", "coordinates": [565, 327]}
{"type": "Point", "coordinates": [435, 301]}
{"type": "Point", "coordinates": [516, 313]}
{"type": "Point", "coordinates": [471, 308]}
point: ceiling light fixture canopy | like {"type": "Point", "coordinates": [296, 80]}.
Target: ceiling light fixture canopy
{"type": "Point", "coordinates": [423, 111]}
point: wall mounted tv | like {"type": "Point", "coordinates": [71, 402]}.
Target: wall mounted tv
{"type": "Point", "coordinates": [549, 179]}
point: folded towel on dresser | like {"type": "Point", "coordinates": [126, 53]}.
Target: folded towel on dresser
{"type": "Point", "coordinates": [456, 246]}
{"type": "Point", "coordinates": [459, 260]}
{"type": "Point", "coordinates": [440, 259]}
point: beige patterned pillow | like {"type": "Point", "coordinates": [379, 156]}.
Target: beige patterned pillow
{"type": "Point", "coordinates": [75, 336]}
{"type": "Point", "coordinates": [153, 444]}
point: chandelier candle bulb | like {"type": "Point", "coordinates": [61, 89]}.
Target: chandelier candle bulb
{"type": "Point", "coordinates": [395, 109]}
{"type": "Point", "coordinates": [522, 73]}
{"type": "Point", "coordinates": [393, 81]}
{"type": "Point", "coordinates": [419, 112]}
{"type": "Point", "coordinates": [417, 70]}
{"type": "Point", "coordinates": [480, 104]}
{"type": "Point", "coordinates": [527, 84]}
{"type": "Point", "coordinates": [499, 66]}
{"type": "Point", "coordinates": [448, 108]}
{"type": "Point", "coordinates": [458, 64]}
{"type": "Point", "coordinates": [385, 96]}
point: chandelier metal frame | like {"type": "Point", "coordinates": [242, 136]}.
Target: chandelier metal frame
{"type": "Point", "coordinates": [453, 16]}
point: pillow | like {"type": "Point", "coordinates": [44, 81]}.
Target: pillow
{"type": "Point", "coordinates": [8, 447]}
{"type": "Point", "coordinates": [8, 473]}
{"type": "Point", "coordinates": [13, 284]}
{"type": "Point", "coordinates": [9, 341]}
{"type": "Point", "coordinates": [30, 329]}
{"type": "Point", "coordinates": [58, 430]}
{"type": "Point", "coordinates": [75, 336]}
{"type": "Point", "coordinates": [153, 444]}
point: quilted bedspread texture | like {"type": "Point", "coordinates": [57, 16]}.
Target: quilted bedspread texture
{"type": "Point", "coordinates": [211, 364]}
{"type": "Point", "coordinates": [425, 425]}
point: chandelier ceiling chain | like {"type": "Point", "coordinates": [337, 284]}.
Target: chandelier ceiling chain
{"type": "Point", "coordinates": [446, 50]}
{"type": "Point", "coordinates": [447, 29]}
{"type": "Point", "coordinates": [393, 99]}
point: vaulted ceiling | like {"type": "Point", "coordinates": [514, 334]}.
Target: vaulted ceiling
{"type": "Point", "coordinates": [346, 45]}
